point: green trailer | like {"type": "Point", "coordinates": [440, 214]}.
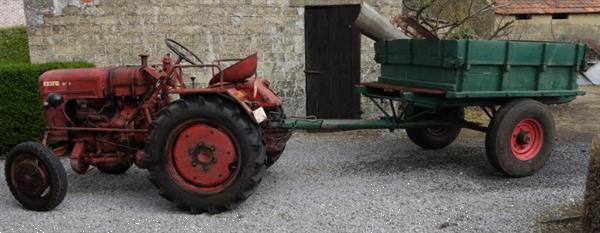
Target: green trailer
{"type": "Point", "coordinates": [426, 84]}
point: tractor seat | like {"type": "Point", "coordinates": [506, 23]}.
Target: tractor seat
{"type": "Point", "coordinates": [238, 72]}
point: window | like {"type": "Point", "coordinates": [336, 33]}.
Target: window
{"type": "Point", "coordinates": [523, 17]}
{"type": "Point", "coordinates": [560, 16]}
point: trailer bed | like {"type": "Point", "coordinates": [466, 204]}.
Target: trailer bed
{"type": "Point", "coordinates": [483, 69]}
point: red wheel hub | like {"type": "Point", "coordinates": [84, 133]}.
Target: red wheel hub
{"type": "Point", "coordinates": [527, 139]}
{"type": "Point", "coordinates": [202, 158]}
{"type": "Point", "coordinates": [29, 176]}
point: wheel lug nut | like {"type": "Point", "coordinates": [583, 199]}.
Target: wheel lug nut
{"type": "Point", "coordinates": [205, 168]}
{"type": "Point", "coordinates": [232, 167]}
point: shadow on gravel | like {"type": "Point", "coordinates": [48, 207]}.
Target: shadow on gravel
{"type": "Point", "coordinates": [131, 190]}
{"type": "Point", "coordinates": [456, 158]}
{"type": "Point", "coordinates": [470, 164]}
{"type": "Point", "coordinates": [94, 181]}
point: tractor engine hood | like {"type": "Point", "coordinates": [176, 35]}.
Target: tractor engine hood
{"type": "Point", "coordinates": [95, 83]}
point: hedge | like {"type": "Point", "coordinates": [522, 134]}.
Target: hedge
{"type": "Point", "coordinates": [14, 47]}
{"type": "Point", "coordinates": [20, 107]}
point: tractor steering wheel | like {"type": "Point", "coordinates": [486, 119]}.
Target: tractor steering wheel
{"type": "Point", "coordinates": [176, 46]}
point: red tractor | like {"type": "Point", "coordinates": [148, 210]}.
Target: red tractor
{"type": "Point", "coordinates": [205, 151]}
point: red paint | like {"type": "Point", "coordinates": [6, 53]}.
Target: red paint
{"type": "Point", "coordinates": [397, 88]}
{"type": "Point", "coordinates": [29, 176]}
{"type": "Point", "coordinates": [202, 158]}
{"type": "Point", "coordinates": [527, 139]}
{"type": "Point", "coordinates": [237, 72]}
{"type": "Point", "coordinates": [106, 114]}
{"type": "Point", "coordinates": [78, 164]}
{"type": "Point", "coordinates": [95, 83]}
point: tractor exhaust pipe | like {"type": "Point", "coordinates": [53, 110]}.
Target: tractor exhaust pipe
{"type": "Point", "coordinates": [375, 26]}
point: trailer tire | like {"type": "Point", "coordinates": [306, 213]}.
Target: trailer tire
{"type": "Point", "coordinates": [226, 161]}
{"type": "Point", "coordinates": [436, 138]}
{"type": "Point", "coordinates": [520, 138]}
{"type": "Point", "coordinates": [35, 176]}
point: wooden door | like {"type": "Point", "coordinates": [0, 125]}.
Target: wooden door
{"type": "Point", "coordinates": [332, 62]}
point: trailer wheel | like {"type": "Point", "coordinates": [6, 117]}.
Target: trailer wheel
{"type": "Point", "coordinates": [115, 169]}
{"type": "Point", "coordinates": [205, 155]}
{"type": "Point", "coordinates": [439, 137]}
{"type": "Point", "coordinates": [520, 138]}
{"type": "Point", "coordinates": [35, 176]}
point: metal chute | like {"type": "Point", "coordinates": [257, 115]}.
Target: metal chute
{"type": "Point", "coordinates": [375, 26]}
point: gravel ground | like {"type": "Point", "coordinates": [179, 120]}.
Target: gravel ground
{"type": "Point", "coordinates": [361, 181]}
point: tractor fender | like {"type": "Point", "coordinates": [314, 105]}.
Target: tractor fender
{"type": "Point", "coordinates": [226, 95]}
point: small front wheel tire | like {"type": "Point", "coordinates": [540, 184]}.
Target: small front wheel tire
{"type": "Point", "coordinates": [35, 176]}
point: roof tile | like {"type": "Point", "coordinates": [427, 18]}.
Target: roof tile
{"type": "Point", "coordinates": [510, 7]}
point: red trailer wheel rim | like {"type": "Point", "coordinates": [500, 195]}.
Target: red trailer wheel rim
{"type": "Point", "coordinates": [202, 158]}
{"type": "Point", "coordinates": [29, 176]}
{"type": "Point", "coordinates": [527, 139]}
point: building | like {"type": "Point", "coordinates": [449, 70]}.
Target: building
{"type": "Point", "coordinates": [12, 13]}
{"type": "Point", "coordinates": [552, 20]}
{"type": "Point", "coordinates": [285, 34]}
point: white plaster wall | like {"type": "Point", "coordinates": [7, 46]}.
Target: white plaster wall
{"type": "Point", "coordinates": [12, 13]}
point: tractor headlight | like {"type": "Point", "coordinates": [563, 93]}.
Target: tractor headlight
{"type": "Point", "coordinates": [55, 99]}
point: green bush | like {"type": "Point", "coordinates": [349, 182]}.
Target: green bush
{"type": "Point", "coordinates": [14, 47]}
{"type": "Point", "coordinates": [20, 107]}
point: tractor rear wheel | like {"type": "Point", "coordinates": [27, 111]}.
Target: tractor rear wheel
{"type": "Point", "coordinates": [438, 137]}
{"type": "Point", "coordinates": [520, 138]}
{"type": "Point", "coordinates": [35, 176]}
{"type": "Point", "coordinates": [276, 139]}
{"type": "Point", "coordinates": [204, 155]}
{"type": "Point", "coordinates": [273, 156]}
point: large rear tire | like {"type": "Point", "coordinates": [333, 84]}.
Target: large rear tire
{"type": "Point", "coordinates": [439, 137]}
{"type": "Point", "coordinates": [273, 156]}
{"type": "Point", "coordinates": [204, 155]}
{"type": "Point", "coordinates": [520, 138]}
{"type": "Point", "coordinates": [276, 139]}
{"type": "Point", "coordinates": [35, 176]}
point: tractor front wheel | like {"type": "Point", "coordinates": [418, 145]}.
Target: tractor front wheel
{"type": "Point", "coordinates": [520, 138]}
{"type": "Point", "coordinates": [205, 155]}
{"type": "Point", "coordinates": [35, 176]}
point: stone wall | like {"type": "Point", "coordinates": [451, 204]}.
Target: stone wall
{"type": "Point", "coordinates": [12, 13]}
{"type": "Point", "coordinates": [578, 27]}
{"type": "Point", "coordinates": [114, 32]}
